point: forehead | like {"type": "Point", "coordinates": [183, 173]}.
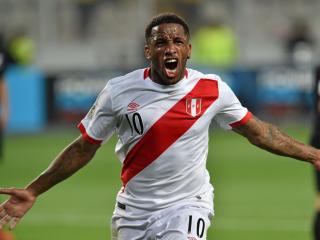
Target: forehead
{"type": "Point", "coordinates": [168, 30]}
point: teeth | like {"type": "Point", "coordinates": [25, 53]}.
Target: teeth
{"type": "Point", "coordinates": [171, 60]}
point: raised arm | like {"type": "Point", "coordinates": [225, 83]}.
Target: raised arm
{"type": "Point", "coordinates": [272, 139]}
{"type": "Point", "coordinates": [70, 160]}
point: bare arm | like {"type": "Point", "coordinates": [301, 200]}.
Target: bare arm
{"type": "Point", "coordinates": [70, 160]}
{"type": "Point", "coordinates": [272, 139]}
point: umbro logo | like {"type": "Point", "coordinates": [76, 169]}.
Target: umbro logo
{"type": "Point", "coordinates": [133, 106]}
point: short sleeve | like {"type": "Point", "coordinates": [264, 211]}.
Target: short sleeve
{"type": "Point", "coordinates": [232, 114]}
{"type": "Point", "coordinates": [100, 122]}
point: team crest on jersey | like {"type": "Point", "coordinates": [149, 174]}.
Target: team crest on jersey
{"type": "Point", "coordinates": [133, 106]}
{"type": "Point", "coordinates": [193, 106]}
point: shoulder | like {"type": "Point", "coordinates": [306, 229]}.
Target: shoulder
{"type": "Point", "coordinates": [214, 81]}
{"type": "Point", "coordinates": [126, 80]}
{"type": "Point", "coordinates": [197, 74]}
{"type": "Point", "coordinates": [211, 77]}
{"type": "Point", "coordinates": [117, 88]}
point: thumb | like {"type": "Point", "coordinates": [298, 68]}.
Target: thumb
{"type": "Point", "coordinates": [8, 191]}
{"type": "Point", "coordinates": [17, 193]}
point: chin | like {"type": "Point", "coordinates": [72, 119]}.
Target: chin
{"type": "Point", "coordinates": [171, 81]}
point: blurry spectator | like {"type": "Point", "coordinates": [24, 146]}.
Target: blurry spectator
{"type": "Point", "coordinates": [25, 83]}
{"type": "Point", "coordinates": [86, 10]}
{"type": "Point", "coordinates": [3, 113]}
{"type": "Point", "coordinates": [315, 142]}
{"type": "Point", "coordinates": [21, 49]}
{"type": "Point", "coordinates": [3, 93]}
{"type": "Point", "coordinates": [300, 43]}
{"type": "Point", "coordinates": [214, 45]}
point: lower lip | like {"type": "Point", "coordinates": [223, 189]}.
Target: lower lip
{"type": "Point", "coordinates": [171, 73]}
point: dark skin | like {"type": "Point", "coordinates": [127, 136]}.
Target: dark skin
{"type": "Point", "coordinates": [168, 41]}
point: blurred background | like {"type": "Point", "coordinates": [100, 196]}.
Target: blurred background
{"type": "Point", "coordinates": [80, 42]}
{"type": "Point", "coordinates": [61, 53]}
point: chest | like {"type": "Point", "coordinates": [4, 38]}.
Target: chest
{"type": "Point", "coordinates": [171, 113]}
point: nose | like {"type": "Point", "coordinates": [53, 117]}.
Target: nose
{"type": "Point", "coordinates": [170, 49]}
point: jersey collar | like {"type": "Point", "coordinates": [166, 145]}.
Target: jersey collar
{"type": "Point", "coordinates": [146, 73]}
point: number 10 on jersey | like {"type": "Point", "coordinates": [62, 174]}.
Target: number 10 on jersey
{"type": "Point", "coordinates": [135, 123]}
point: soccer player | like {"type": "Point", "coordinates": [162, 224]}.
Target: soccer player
{"type": "Point", "coordinates": [315, 142]}
{"type": "Point", "coordinates": [161, 115]}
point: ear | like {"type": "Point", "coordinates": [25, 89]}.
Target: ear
{"type": "Point", "coordinates": [189, 51]}
{"type": "Point", "coordinates": [147, 52]}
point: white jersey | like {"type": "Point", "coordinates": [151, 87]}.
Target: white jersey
{"type": "Point", "coordinates": [163, 133]}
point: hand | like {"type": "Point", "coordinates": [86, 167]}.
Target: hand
{"type": "Point", "coordinates": [317, 164]}
{"type": "Point", "coordinates": [12, 210]}
{"type": "Point", "coordinates": [316, 160]}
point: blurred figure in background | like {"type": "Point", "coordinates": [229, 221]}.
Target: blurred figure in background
{"type": "Point", "coordinates": [26, 84]}
{"type": "Point", "coordinates": [315, 141]}
{"type": "Point", "coordinates": [86, 11]}
{"type": "Point", "coordinates": [4, 108]}
{"type": "Point", "coordinates": [4, 112]}
{"type": "Point", "coordinates": [21, 49]}
{"type": "Point", "coordinates": [300, 43]}
{"type": "Point", "coordinates": [214, 45]}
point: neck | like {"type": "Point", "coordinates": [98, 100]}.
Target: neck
{"type": "Point", "coordinates": [156, 77]}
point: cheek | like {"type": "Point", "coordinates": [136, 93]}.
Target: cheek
{"type": "Point", "coordinates": [155, 59]}
{"type": "Point", "coordinates": [157, 54]}
{"type": "Point", "coordinates": [186, 53]}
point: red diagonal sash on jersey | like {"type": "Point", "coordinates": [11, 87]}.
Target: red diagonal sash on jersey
{"type": "Point", "coordinates": [168, 129]}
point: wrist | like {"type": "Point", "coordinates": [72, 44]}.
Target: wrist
{"type": "Point", "coordinates": [34, 193]}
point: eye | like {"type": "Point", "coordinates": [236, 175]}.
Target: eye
{"type": "Point", "coordinates": [179, 41]}
{"type": "Point", "coordinates": [160, 42]}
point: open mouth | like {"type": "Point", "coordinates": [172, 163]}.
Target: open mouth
{"type": "Point", "coordinates": [171, 64]}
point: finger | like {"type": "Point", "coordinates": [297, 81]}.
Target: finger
{"type": "Point", "coordinates": [2, 208]}
{"type": "Point", "coordinates": [13, 223]}
{"type": "Point", "coordinates": [317, 165]}
{"type": "Point", "coordinates": [5, 220]}
{"type": "Point", "coordinates": [8, 191]}
{"type": "Point", "coordinates": [3, 213]}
